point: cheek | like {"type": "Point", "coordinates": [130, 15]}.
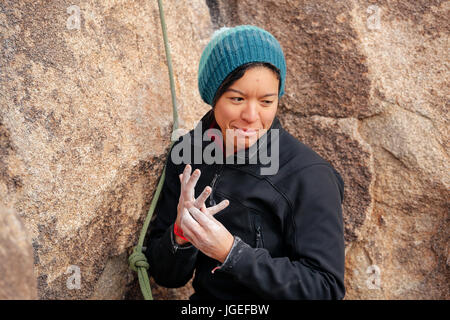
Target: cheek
{"type": "Point", "coordinates": [226, 115]}
{"type": "Point", "coordinates": [267, 117]}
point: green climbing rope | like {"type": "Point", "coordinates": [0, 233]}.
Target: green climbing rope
{"type": "Point", "coordinates": [137, 260]}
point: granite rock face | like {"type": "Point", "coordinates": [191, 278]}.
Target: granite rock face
{"type": "Point", "coordinates": [85, 120]}
{"type": "Point", "coordinates": [17, 281]}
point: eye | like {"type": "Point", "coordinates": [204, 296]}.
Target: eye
{"type": "Point", "coordinates": [236, 98]}
{"type": "Point", "coordinates": [267, 101]}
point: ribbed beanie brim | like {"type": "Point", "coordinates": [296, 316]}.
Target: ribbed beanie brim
{"type": "Point", "coordinates": [230, 48]}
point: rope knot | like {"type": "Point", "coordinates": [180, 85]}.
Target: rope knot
{"type": "Point", "coordinates": [138, 260]}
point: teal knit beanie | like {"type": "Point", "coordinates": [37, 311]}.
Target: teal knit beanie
{"type": "Point", "coordinates": [230, 48]}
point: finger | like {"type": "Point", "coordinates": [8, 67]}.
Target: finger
{"type": "Point", "coordinates": [186, 174]}
{"type": "Point", "coordinates": [190, 227]}
{"type": "Point", "coordinates": [200, 201]}
{"type": "Point", "coordinates": [218, 207]}
{"type": "Point", "coordinates": [206, 223]}
{"type": "Point", "coordinates": [190, 185]}
{"type": "Point", "coordinates": [187, 222]}
{"type": "Point", "coordinates": [185, 191]}
{"type": "Point", "coordinates": [200, 217]}
{"type": "Point", "coordinates": [181, 177]}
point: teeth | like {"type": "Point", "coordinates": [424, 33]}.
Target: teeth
{"type": "Point", "coordinates": [246, 132]}
{"type": "Point", "coordinates": [245, 129]}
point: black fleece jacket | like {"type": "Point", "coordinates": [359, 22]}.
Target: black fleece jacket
{"type": "Point", "coordinates": [288, 227]}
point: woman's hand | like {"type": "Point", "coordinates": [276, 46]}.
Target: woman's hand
{"type": "Point", "coordinates": [206, 233]}
{"type": "Point", "coordinates": [188, 183]}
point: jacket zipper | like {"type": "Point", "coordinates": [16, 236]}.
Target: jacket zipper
{"type": "Point", "coordinates": [212, 201]}
{"type": "Point", "coordinates": [259, 238]}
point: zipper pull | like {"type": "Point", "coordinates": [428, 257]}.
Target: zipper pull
{"type": "Point", "coordinates": [212, 202]}
{"type": "Point", "coordinates": [258, 236]}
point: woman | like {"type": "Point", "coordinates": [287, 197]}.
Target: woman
{"type": "Point", "coordinates": [247, 233]}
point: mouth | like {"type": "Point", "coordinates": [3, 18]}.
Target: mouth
{"type": "Point", "coordinates": [246, 132]}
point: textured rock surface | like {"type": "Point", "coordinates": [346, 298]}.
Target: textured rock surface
{"type": "Point", "coordinates": [17, 279]}
{"type": "Point", "coordinates": [367, 88]}
{"type": "Point", "coordinates": [85, 117]}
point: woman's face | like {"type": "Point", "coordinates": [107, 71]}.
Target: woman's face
{"type": "Point", "coordinates": [246, 110]}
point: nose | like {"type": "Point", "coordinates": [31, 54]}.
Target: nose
{"type": "Point", "coordinates": [250, 112]}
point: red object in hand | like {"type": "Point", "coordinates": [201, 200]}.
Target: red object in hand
{"type": "Point", "coordinates": [179, 232]}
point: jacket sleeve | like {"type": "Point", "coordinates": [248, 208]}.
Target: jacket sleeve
{"type": "Point", "coordinates": [315, 267]}
{"type": "Point", "coordinates": [171, 265]}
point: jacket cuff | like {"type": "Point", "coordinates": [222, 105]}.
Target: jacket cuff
{"type": "Point", "coordinates": [234, 255]}
{"type": "Point", "coordinates": [175, 245]}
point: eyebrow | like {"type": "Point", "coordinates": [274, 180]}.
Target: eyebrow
{"type": "Point", "coordinates": [235, 90]}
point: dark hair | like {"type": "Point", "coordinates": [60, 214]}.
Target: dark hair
{"type": "Point", "coordinates": [238, 73]}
